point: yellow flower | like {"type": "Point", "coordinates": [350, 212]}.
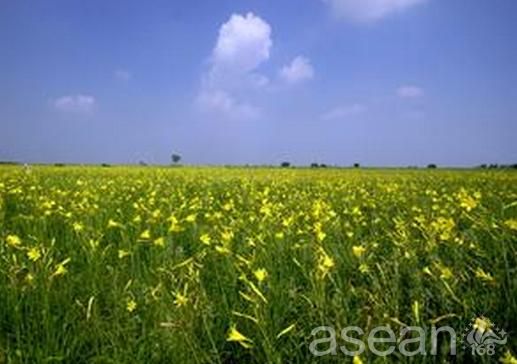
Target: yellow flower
{"type": "Point", "coordinates": [363, 268]}
{"type": "Point", "coordinates": [260, 274]}
{"type": "Point", "coordinates": [122, 253]}
{"type": "Point", "coordinates": [446, 272]}
{"type": "Point", "coordinates": [61, 268]}
{"type": "Point", "coordinates": [13, 240]}
{"type": "Point", "coordinates": [358, 250]}
{"type": "Point", "coordinates": [78, 227]}
{"type": "Point", "coordinates": [145, 235]}
{"type": "Point", "coordinates": [180, 299]}
{"type": "Point", "coordinates": [511, 224]}
{"type": "Point", "coordinates": [236, 336]}
{"type": "Point", "coordinates": [443, 227]}
{"type": "Point", "coordinates": [29, 278]}
{"type": "Point", "coordinates": [508, 358]}
{"type": "Point", "coordinates": [221, 249]}
{"type": "Point", "coordinates": [175, 226]}
{"type": "Point", "coordinates": [191, 218]}
{"type": "Point", "coordinates": [328, 262]}
{"type": "Point", "coordinates": [34, 254]}
{"type": "Point", "coordinates": [427, 271]}
{"type": "Point", "coordinates": [468, 202]}
{"type": "Point", "coordinates": [205, 239]}
{"type": "Point", "coordinates": [482, 324]}
{"type": "Point", "coordinates": [484, 276]}
{"type": "Point", "coordinates": [156, 214]}
{"type": "Point", "coordinates": [266, 209]}
{"type": "Point", "coordinates": [159, 242]}
{"type": "Point", "coordinates": [357, 360]}
{"type": "Point", "coordinates": [287, 221]}
{"type": "Point", "coordinates": [114, 224]}
{"type": "Point", "coordinates": [318, 230]}
{"type": "Point", "coordinates": [325, 263]}
{"type": "Point", "coordinates": [227, 236]}
{"type": "Point", "coordinates": [131, 305]}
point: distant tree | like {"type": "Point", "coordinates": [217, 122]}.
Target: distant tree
{"type": "Point", "coordinates": [175, 158]}
{"type": "Point", "coordinates": [105, 165]}
{"type": "Point", "coordinates": [142, 164]}
{"type": "Point", "coordinates": [59, 164]}
{"type": "Point", "coordinates": [432, 166]}
{"type": "Point", "coordinates": [323, 165]}
{"type": "Point", "coordinates": [483, 166]}
{"type": "Point", "coordinates": [314, 165]}
{"type": "Point", "coordinates": [285, 165]}
{"type": "Point", "coordinates": [357, 165]}
{"type": "Point", "coordinates": [493, 166]}
{"type": "Point", "coordinates": [514, 166]}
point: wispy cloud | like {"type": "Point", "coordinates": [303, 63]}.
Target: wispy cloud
{"type": "Point", "coordinates": [368, 10]}
{"type": "Point", "coordinates": [223, 103]}
{"type": "Point", "coordinates": [342, 112]}
{"type": "Point", "coordinates": [300, 69]}
{"type": "Point", "coordinates": [243, 44]}
{"type": "Point", "coordinates": [123, 75]}
{"type": "Point", "coordinates": [410, 92]}
{"type": "Point", "coordinates": [75, 103]}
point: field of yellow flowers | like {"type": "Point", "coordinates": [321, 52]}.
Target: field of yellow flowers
{"type": "Point", "coordinates": [214, 265]}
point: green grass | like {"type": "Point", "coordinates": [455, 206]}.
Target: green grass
{"type": "Point", "coordinates": [133, 236]}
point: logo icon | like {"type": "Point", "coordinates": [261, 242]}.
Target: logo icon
{"type": "Point", "coordinates": [482, 337]}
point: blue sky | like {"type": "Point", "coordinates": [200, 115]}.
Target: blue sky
{"type": "Point", "coordinates": [380, 82]}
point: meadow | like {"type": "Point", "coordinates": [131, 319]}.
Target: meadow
{"type": "Point", "coordinates": [215, 265]}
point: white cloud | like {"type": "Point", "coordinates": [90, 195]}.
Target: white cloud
{"type": "Point", "coordinates": [299, 69]}
{"type": "Point", "coordinates": [342, 112]}
{"type": "Point", "coordinates": [410, 92]}
{"type": "Point", "coordinates": [257, 80]}
{"type": "Point", "coordinates": [75, 103]}
{"type": "Point", "coordinates": [123, 75]}
{"type": "Point", "coordinates": [368, 10]}
{"type": "Point", "coordinates": [233, 81]}
{"type": "Point", "coordinates": [221, 102]}
{"type": "Point", "coordinates": [243, 44]}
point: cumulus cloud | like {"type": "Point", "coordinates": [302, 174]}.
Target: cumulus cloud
{"type": "Point", "coordinates": [342, 112]}
{"type": "Point", "coordinates": [410, 92]}
{"type": "Point", "coordinates": [123, 75]}
{"type": "Point", "coordinates": [298, 70]}
{"type": "Point", "coordinates": [75, 103]}
{"type": "Point", "coordinates": [233, 79]}
{"type": "Point", "coordinates": [368, 10]}
{"type": "Point", "coordinates": [243, 44]}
